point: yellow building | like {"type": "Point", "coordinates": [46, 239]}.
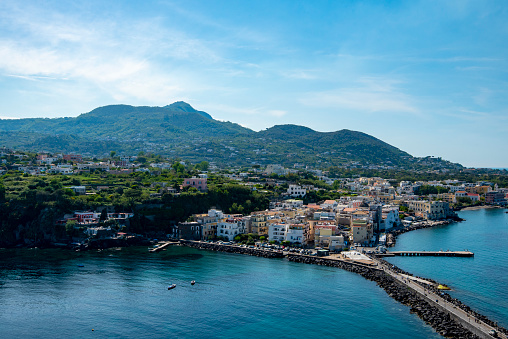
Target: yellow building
{"type": "Point", "coordinates": [431, 210]}
{"type": "Point", "coordinates": [361, 231]}
{"type": "Point", "coordinates": [448, 197]}
{"type": "Point", "coordinates": [258, 224]}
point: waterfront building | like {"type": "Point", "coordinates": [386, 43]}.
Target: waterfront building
{"type": "Point", "coordinates": [276, 232]}
{"type": "Point", "coordinates": [208, 222]}
{"type": "Point", "coordinates": [448, 197]}
{"type": "Point", "coordinates": [361, 231]}
{"type": "Point", "coordinates": [431, 210]}
{"type": "Point", "coordinates": [389, 217]}
{"type": "Point", "coordinates": [231, 227]}
{"type": "Point", "coordinates": [495, 198]}
{"type": "Point", "coordinates": [295, 233]}
{"type": "Point", "coordinates": [186, 230]}
{"type": "Point", "coordinates": [258, 223]}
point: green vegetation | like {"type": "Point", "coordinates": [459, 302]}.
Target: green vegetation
{"type": "Point", "coordinates": [180, 131]}
{"type": "Point", "coordinates": [31, 205]}
{"type": "Point", "coordinates": [427, 189]}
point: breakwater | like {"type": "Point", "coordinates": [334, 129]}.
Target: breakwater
{"type": "Point", "coordinates": [432, 288]}
{"type": "Point", "coordinates": [441, 319]}
{"type": "Point", "coordinates": [438, 319]}
{"type": "Point", "coordinates": [232, 249]}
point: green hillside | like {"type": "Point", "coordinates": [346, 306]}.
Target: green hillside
{"type": "Point", "coordinates": [178, 130]}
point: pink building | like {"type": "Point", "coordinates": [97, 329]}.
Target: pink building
{"type": "Point", "coordinates": [197, 183]}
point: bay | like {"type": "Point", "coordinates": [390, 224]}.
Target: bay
{"type": "Point", "coordinates": [123, 293]}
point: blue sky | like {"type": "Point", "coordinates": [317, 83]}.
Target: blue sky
{"type": "Point", "coordinates": [429, 77]}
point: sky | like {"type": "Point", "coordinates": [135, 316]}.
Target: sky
{"type": "Point", "coordinates": [428, 77]}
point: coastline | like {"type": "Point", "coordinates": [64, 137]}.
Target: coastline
{"type": "Point", "coordinates": [475, 208]}
{"type": "Point", "coordinates": [391, 236]}
{"type": "Point", "coordinates": [440, 319]}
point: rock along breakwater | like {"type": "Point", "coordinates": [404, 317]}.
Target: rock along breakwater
{"type": "Point", "coordinates": [438, 318]}
{"type": "Point", "coordinates": [232, 249]}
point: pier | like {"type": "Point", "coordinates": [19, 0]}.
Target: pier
{"type": "Point", "coordinates": [428, 254]}
{"type": "Point", "coordinates": [162, 245]}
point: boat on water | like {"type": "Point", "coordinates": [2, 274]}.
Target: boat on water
{"type": "Point", "coordinates": [192, 282]}
{"type": "Point", "coordinates": [443, 287]}
{"type": "Point", "coordinates": [170, 287]}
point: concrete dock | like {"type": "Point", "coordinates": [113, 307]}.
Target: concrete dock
{"type": "Point", "coordinates": [428, 254]}
{"type": "Point", "coordinates": [162, 245]}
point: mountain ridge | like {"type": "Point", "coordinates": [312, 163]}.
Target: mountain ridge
{"type": "Point", "coordinates": [181, 131]}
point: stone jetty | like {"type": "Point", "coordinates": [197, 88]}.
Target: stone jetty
{"type": "Point", "coordinates": [232, 249]}
{"type": "Point", "coordinates": [450, 318]}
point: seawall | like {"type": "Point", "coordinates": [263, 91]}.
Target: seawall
{"type": "Point", "coordinates": [232, 249]}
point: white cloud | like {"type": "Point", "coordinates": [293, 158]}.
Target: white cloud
{"type": "Point", "coordinates": [277, 113]}
{"type": "Point", "coordinates": [300, 74]}
{"type": "Point", "coordinates": [372, 95]}
{"type": "Point", "coordinates": [126, 60]}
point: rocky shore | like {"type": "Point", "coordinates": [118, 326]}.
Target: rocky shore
{"type": "Point", "coordinates": [391, 237]}
{"type": "Point", "coordinates": [232, 249]}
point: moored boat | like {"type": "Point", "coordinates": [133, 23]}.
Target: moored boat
{"type": "Point", "coordinates": [170, 287]}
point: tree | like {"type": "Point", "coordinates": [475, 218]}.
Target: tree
{"type": "Point", "coordinates": [104, 215]}
{"type": "Point", "coordinates": [70, 227]}
{"type": "Point", "coordinates": [202, 166]}
{"type": "Point", "coordinates": [112, 154]}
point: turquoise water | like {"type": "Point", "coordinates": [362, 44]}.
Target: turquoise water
{"type": "Point", "coordinates": [480, 282]}
{"type": "Point", "coordinates": [123, 293]}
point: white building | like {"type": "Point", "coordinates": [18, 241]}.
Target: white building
{"type": "Point", "coordinates": [276, 232]}
{"type": "Point", "coordinates": [296, 191]}
{"type": "Point", "coordinates": [78, 189]}
{"type": "Point", "coordinates": [286, 232]}
{"type": "Point", "coordinates": [276, 169]}
{"type": "Point", "coordinates": [230, 228]}
{"type": "Point", "coordinates": [390, 217]}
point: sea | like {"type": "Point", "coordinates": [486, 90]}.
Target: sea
{"type": "Point", "coordinates": [123, 293]}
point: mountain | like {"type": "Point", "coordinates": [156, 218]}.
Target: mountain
{"type": "Point", "coordinates": [180, 131]}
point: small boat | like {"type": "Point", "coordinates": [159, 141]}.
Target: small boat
{"type": "Point", "coordinates": [192, 282]}
{"type": "Point", "coordinates": [170, 287]}
{"type": "Point", "coordinates": [443, 287]}
{"type": "Point", "coordinates": [81, 265]}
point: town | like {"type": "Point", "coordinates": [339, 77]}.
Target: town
{"type": "Point", "coordinates": [123, 197]}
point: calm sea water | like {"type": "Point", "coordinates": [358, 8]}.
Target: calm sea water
{"type": "Point", "coordinates": [123, 293]}
{"type": "Point", "coordinates": [480, 282]}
